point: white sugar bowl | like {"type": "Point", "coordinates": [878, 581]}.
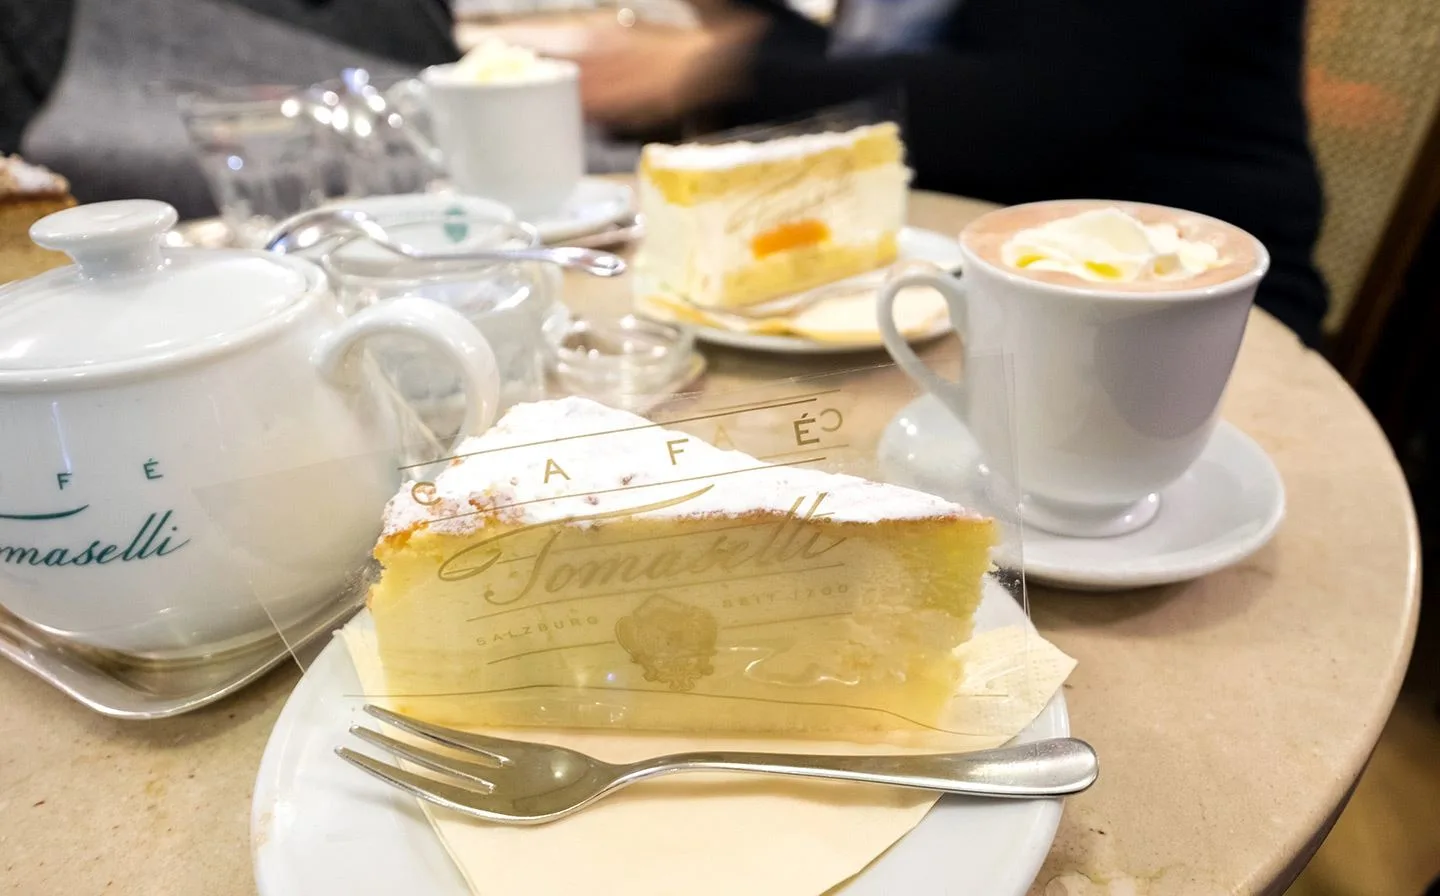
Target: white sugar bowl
{"type": "Point", "coordinates": [193, 446]}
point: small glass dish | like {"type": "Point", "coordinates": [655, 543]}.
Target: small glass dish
{"type": "Point", "coordinates": [626, 361]}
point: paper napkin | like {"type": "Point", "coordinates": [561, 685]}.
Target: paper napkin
{"type": "Point", "coordinates": [721, 834]}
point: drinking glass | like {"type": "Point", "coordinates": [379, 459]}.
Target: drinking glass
{"type": "Point", "coordinates": [263, 155]}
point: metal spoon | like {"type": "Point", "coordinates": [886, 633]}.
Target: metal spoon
{"type": "Point", "coordinates": [313, 228]}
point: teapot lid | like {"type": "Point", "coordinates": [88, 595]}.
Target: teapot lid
{"type": "Point", "coordinates": [128, 299]}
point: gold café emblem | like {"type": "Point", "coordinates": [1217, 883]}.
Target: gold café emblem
{"type": "Point", "coordinates": [671, 641]}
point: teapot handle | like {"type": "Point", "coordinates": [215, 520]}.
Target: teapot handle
{"type": "Point", "coordinates": [443, 328]}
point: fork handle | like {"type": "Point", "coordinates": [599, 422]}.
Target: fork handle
{"type": "Point", "coordinates": [1044, 768]}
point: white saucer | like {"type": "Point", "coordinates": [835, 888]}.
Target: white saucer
{"type": "Point", "coordinates": [318, 826]}
{"type": "Point", "coordinates": [594, 204]}
{"type": "Point", "coordinates": [1225, 507]}
{"type": "Point", "coordinates": [914, 243]}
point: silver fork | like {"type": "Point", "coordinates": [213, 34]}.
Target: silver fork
{"type": "Point", "coordinates": [515, 782]}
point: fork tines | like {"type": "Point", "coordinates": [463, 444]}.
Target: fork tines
{"type": "Point", "coordinates": [465, 779]}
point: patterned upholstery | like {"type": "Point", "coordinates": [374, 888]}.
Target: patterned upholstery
{"type": "Point", "coordinates": [1373, 87]}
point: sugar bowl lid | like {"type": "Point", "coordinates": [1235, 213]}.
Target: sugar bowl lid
{"type": "Point", "coordinates": [127, 301]}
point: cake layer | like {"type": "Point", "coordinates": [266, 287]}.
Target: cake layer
{"type": "Point", "coordinates": [754, 244]}
{"type": "Point", "coordinates": [583, 567]}
{"type": "Point", "coordinates": [697, 172]}
{"type": "Point", "coordinates": [801, 269]}
{"type": "Point", "coordinates": [763, 622]}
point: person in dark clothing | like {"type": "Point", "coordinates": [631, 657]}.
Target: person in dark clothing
{"type": "Point", "coordinates": [107, 119]}
{"type": "Point", "coordinates": [1197, 105]}
{"type": "Point", "coordinates": [34, 38]}
{"type": "Point", "coordinates": [414, 32]}
{"type": "Point", "coordinates": [32, 47]}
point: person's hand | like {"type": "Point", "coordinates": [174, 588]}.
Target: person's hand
{"type": "Point", "coordinates": [642, 76]}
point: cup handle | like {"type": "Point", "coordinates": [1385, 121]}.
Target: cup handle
{"type": "Point", "coordinates": [443, 328]}
{"type": "Point", "coordinates": [951, 392]}
{"type": "Point", "coordinates": [410, 99]}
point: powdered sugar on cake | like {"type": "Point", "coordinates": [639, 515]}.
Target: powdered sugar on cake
{"type": "Point", "coordinates": [574, 459]}
{"type": "Point", "coordinates": [720, 156]}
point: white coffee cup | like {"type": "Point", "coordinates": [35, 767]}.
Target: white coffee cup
{"type": "Point", "coordinates": [517, 141]}
{"type": "Point", "coordinates": [1091, 399]}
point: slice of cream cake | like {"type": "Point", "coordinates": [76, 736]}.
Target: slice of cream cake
{"type": "Point", "coordinates": [583, 567]}
{"type": "Point", "coordinates": [735, 224]}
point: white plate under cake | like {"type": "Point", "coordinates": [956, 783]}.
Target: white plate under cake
{"type": "Point", "coordinates": [666, 559]}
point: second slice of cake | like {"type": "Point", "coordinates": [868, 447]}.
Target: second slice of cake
{"type": "Point", "coordinates": [27, 194]}
{"type": "Point", "coordinates": [734, 224]}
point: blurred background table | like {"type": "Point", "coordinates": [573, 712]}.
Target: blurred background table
{"type": "Point", "coordinates": [1233, 715]}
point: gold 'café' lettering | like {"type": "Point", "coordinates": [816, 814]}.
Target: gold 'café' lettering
{"type": "Point", "coordinates": [788, 540]}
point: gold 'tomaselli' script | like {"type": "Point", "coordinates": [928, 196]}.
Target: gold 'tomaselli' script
{"type": "Point", "coordinates": [554, 560]}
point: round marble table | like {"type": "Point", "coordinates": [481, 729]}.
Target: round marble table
{"type": "Point", "coordinates": [1232, 714]}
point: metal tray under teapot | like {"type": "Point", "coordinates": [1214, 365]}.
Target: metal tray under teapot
{"type": "Point", "coordinates": [125, 688]}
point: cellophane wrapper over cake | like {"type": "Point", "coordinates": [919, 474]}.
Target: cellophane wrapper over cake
{"type": "Point", "coordinates": [763, 561]}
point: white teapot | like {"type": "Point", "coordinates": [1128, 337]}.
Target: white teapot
{"type": "Point", "coordinates": [193, 447]}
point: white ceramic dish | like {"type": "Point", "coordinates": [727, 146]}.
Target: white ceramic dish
{"type": "Point", "coordinates": [594, 204]}
{"type": "Point", "coordinates": [160, 407]}
{"type": "Point", "coordinates": [1223, 509]}
{"type": "Point", "coordinates": [318, 826]}
{"type": "Point", "coordinates": [916, 244]}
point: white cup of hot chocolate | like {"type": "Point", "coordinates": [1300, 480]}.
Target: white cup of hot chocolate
{"type": "Point", "coordinates": [1098, 340]}
{"type": "Point", "coordinates": [504, 123]}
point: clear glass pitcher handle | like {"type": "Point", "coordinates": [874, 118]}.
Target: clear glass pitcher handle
{"type": "Point", "coordinates": [443, 328]}
{"type": "Point", "coordinates": [410, 99]}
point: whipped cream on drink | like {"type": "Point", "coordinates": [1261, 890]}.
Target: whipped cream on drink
{"type": "Point", "coordinates": [1109, 245]}
{"type": "Point", "coordinates": [494, 61]}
